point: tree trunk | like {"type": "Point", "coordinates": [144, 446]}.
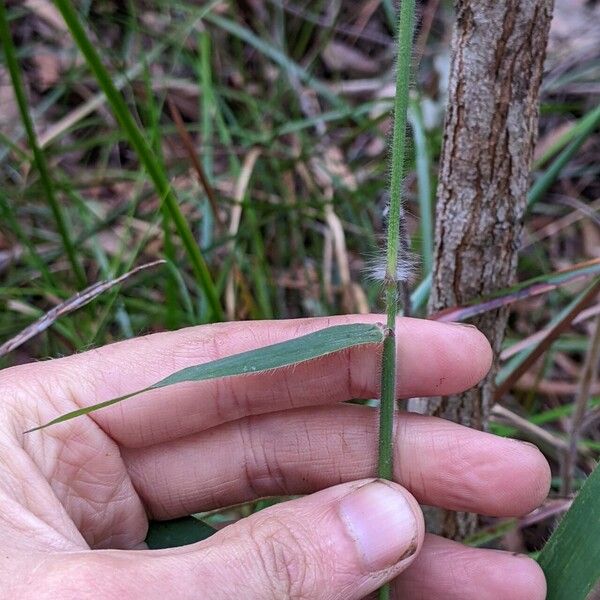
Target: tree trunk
{"type": "Point", "coordinates": [498, 51]}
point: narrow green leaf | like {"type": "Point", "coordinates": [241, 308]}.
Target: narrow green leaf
{"type": "Point", "coordinates": [582, 128]}
{"type": "Point", "coordinates": [543, 183]}
{"type": "Point", "coordinates": [424, 187]}
{"type": "Point", "coordinates": [278, 57]}
{"type": "Point", "coordinates": [177, 532]}
{"type": "Point", "coordinates": [570, 559]}
{"type": "Point", "coordinates": [284, 354]}
{"type": "Point", "coordinates": [420, 296]}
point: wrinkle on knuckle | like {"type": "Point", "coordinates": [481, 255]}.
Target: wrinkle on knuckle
{"type": "Point", "coordinates": [285, 558]}
{"type": "Point", "coordinates": [467, 472]}
{"type": "Point", "coordinates": [355, 386]}
{"type": "Point", "coordinates": [230, 398]}
{"type": "Point", "coordinates": [363, 374]}
{"type": "Point", "coordinates": [262, 469]}
{"type": "Point", "coordinates": [286, 380]}
{"type": "Point", "coordinates": [86, 481]}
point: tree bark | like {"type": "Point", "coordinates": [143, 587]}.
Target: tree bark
{"type": "Point", "coordinates": [498, 51]}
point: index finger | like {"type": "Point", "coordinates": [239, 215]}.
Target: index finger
{"type": "Point", "coordinates": [433, 359]}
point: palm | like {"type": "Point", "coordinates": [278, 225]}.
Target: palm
{"type": "Point", "coordinates": [77, 469]}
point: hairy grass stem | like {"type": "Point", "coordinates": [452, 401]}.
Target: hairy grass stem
{"type": "Point", "coordinates": [394, 245]}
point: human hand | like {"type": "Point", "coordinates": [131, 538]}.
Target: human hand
{"type": "Point", "coordinates": [75, 498]}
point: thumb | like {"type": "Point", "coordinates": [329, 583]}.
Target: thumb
{"type": "Point", "coordinates": [343, 542]}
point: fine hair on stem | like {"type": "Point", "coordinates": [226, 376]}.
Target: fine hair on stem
{"type": "Point", "coordinates": [396, 247]}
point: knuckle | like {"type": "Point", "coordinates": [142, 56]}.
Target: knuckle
{"type": "Point", "coordinates": [261, 464]}
{"type": "Point", "coordinates": [287, 559]}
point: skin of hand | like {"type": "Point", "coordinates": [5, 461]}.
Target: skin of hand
{"type": "Point", "coordinates": [75, 498]}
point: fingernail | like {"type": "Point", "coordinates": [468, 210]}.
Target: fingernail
{"type": "Point", "coordinates": [460, 324]}
{"type": "Point", "coordinates": [526, 443]}
{"type": "Point", "coordinates": [381, 523]}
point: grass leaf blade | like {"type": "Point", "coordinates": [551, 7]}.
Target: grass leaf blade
{"type": "Point", "coordinates": [570, 557]}
{"type": "Point", "coordinates": [283, 354]}
{"type": "Point", "coordinates": [543, 183]}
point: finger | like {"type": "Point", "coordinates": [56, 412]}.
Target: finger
{"type": "Point", "coordinates": [343, 542]}
{"type": "Point", "coordinates": [446, 570]}
{"type": "Point", "coordinates": [433, 358]}
{"type": "Point", "coordinates": [304, 450]}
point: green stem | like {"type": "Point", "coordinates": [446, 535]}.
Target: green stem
{"type": "Point", "coordinates": [388, 371]}
{"type": "Point", "coordinates": [38, 155]}
{"type": "Point", "coordinates": [145, 154]}
{"type": "Point", "coordinates": [388, 398]}
{"type": "Point", "coordinates": [405, 33]}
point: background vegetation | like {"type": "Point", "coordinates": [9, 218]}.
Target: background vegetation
{"type": "Point", "coordinates": [260, 178]}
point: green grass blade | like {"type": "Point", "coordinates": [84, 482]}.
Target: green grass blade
{"type": "Point", "coordinates": [208, 108]}
{"type": "Point", "coordinates": [177, 532]}
{"type": "Point", "coordinates": [420, 295]}
{"type": "Point", "coordinates": [8, 216]}
{"type": "Point", "coordinates": [571, 557]}
{"type": "Point", "coordinates": [278, 57]}
{"type": "Point", "coordinates": [423, 163]}
{"type": "Point", "coordinates": [284, 354]}
{"type": "Point", "coordinates": [543, 183]}
{"type": "Point", "coordinates": [153, 109]}
{"type": "Point", "coordinates": [144, 152]}
{"type": "Point", "coordinates": [38, 155]}
{"type": "Point", "coordinates": [583, 127]}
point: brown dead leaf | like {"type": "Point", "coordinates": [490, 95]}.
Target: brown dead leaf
{"type": "Point", "coordinates": [590, 238]}
{"type": "Point", "coordinates": [550, 138]}
{"type": "Point", "coordinates": [48, 12]}
{"type": "Point", "coordinates": [9, 115]}
{"type": "Point", "coordinates": [48, 69]}
{"type": "Point", "coordinates": [343, 58]}
{"type": "Point", "coordinates": [337, 168]}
